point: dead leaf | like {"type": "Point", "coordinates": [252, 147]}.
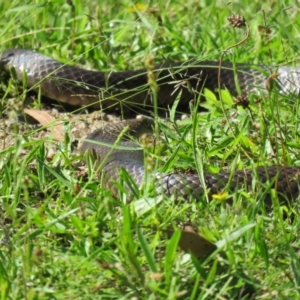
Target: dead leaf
{"type": "Point", "coordinates": [50, 123]}
{"type": "Point", "coordinates": [191, 241]}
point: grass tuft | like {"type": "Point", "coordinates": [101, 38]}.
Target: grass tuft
{"type": "Point", "coordinates": [65, 236]}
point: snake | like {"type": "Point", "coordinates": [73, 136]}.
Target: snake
{"type": "Point", "coordinates": [112, 147]}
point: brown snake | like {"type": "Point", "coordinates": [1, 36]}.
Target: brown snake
{"type": "Point", "coordinates": [284, 179]}
{"type": "Point", "coordinates": [127, 89]}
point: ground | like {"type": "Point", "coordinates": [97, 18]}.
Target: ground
{"type": "Point", "coordinates": [64, 236]}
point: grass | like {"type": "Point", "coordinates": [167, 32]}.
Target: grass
{"type": "Point", "coordinates": [63, 236]}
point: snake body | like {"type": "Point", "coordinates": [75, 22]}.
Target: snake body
{"type": "Point", "coordinates": [110, 160]}
{"type": "Point", "coordinates": [129, 89]}
{"type": "Point", "coordinates": [117, 90]}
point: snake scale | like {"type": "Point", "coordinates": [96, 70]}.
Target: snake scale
{"type": "Point", "coordinates": [127, 89]}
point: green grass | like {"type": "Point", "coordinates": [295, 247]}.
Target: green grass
{"type": "Point", "coordinates": [64, 237]}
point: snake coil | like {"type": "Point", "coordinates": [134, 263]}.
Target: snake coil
{"type": "Point", "coordinates": [116, 90]}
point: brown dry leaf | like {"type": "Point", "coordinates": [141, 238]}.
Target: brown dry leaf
{"type": "Point", "coordinates": [48, 121]}
{"type": "Point", "coordinates": [191, 241]}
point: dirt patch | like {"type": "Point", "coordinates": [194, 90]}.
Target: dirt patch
{"type": "Point", "coordinates": [21, 126]}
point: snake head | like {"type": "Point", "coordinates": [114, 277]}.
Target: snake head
{"type": "Point", "coordinates": [7, 58]}
{"type": "Point", "coordinates": [6, 64]}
